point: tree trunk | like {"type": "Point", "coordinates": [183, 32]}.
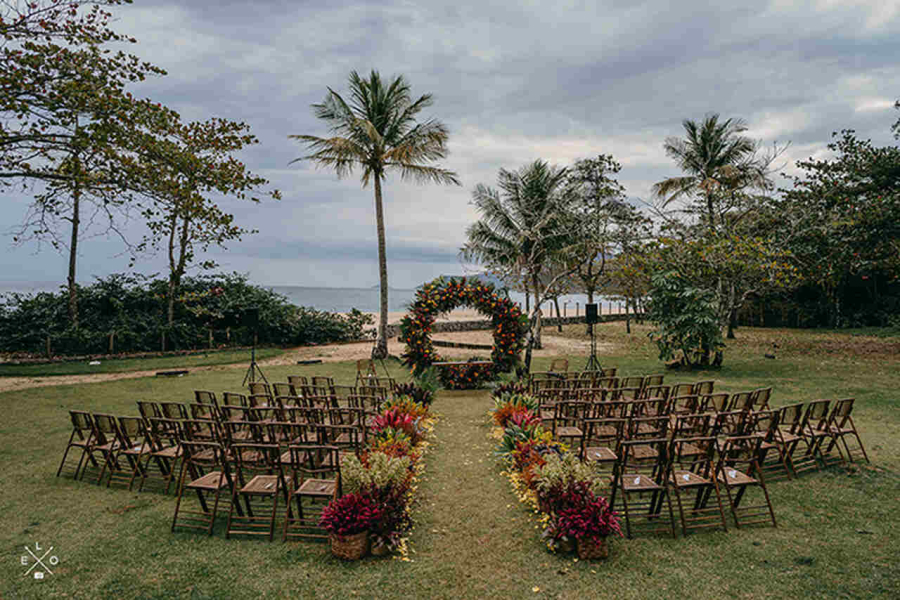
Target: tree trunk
{"type": "Point", "coordinates": [558, 321]}
{"type": "Point", "coordinates": [381, 347]}
{"type": "Point", "coordinates": [732, 323]}
{"type": "Point", "coordinates": [73, 253]}
{"type": "Point", "coordinates": [537, 307]}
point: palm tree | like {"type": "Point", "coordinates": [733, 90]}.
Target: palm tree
{"type": "Point", "coordinates": [377, 132]}
{"type": "Point", "coordinates": [715, 157]}
{"type": "Point", "coordinates": [520, 228]}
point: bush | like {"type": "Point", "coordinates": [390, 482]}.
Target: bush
{"type": "Point", "coordinates": [132, 310]}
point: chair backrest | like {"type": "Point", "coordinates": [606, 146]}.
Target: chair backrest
{"type": "Point", "coordinates": [627, 393]}
{"type": "Point", "coordinates": [695, 454]}
{"type": "Point", "coordinates": [297, 381]}
{"type": "Point", "coordinates": [632, 462]}
{"type": "Point", "coordinates": [840, 412]}
{"type": "Point", "coordinates": [608, 372]}
{"type": "Point", "coordinates": [729, 422]}
{"type": "Point", "coordinates": [260, 400]}
{"type": "Point", "coordinates": [315, 461]}
{"type": "Point", "coordinates": [684, 405]}
{"type": "Point", "coordinates": [165, 432]}
{"type": "Point", "coordinates": [681, 389]}
{"type": "Point", "coordinates": [283, 389]}
{"type": "Point", "coordinates": [740, 453]}
{"type": "Point", "coordinates": [286, 433]}
{"type": "Point", "coordinates": [132, 432]}
{"type": "Point", "coordinates": [741, 401]}
{"type": "Point", "coordinates": [647, 427]}
{"type": "Point", "coordinates": [204, 411]}
{"type": "Point", "coordinates": [200, 430]}
{"type": "Point", "coordinates": [611, 409]}
{"type": "Point", "coordinates": [149, 410]}
{"type": "Point", "coordinates": [322, 381]}
{"type": "Point", "coordinates": [653, 380]}
{"type": "Point", "coordinates": [256, 459]}
{"type": "Point", "coordinates": [234, 399]}
{"type": "Point", "coordinates": [173, 410]}
{"type": "Point", "coordinates": [304, 414]}
{"type": "Point", "coordinates": [816, 416]}
{"type": "Point", "coordinates": [259, 387]}
{"type": "Point", "coordinates": [206, 454]}
{"type": "Point", "coordinates": [605, 432]}
{"type": "Point", "coordinates": [365, 367]}
{"type": "Point", "coordinates": [761, 398]}
{"type": "Point", "coordinates": [691, 426]}
{"type": "Point", "coordinates": [82, 424]}
{"type": "Point", "coordinates": [702, 388]}
{"type": "Point", "coordinates": [790, 417]}
{"type": "Point", "coordinates": [373, 390]}
{"type": "Point", "coordinates": [714, 402]}
{"type": "Point", "coordinates": [656, 391]}
{"type": "Point", "coordinates": [204, 397]}
{"type": "Point", "coordinates": [106, 428]}
{"type": "Point", "coordinates": [370, 404]}
{"type": "Point", "coordinates": [609, 383]}
{"type": "Point", "coordinates": [344, 437]}
{"type": "Point", "coordinates": [632, 382]}
{"type": "Point", "coordinates": [764, 423]}
{"type": "Point", "coordinates": [346, 416]}
{"type": "Point", "coordinates": [285, 401]}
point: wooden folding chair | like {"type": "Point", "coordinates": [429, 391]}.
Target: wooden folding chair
{"type": "Point", "coordinates": [315, 481]}
{"type": "Point", "coordinates": [627, 393]}
{"type": "Point", "coordinates": [741, 401]}
{"type": "Point", "coordinates": [608, 372]}
{"type": "Point", "coordinates": [164, 436]}
{"type": "Point", "coordinates": [841, 425]}
{"type": "Point", "coordinates": [568, 417]}
{"type": "Point", "coordinates": [815, 428]}
{"type": "Point", "coordinates": [693, 471]}
{"type": "Point", "coordinates": [297, 381]}
{"type": "Point", "coordinates": [283, 389]}
{"type": "Point", "coordinates": [760, 399]}
{"type": "Point", "coordinates": [149, 410]}
{"type": "Point", "coordinates": [600, 442]}
{"type": "Point", "coordinates": [173, 410]}
{"type": "Point", "coordinates": [789, 438]}
{"type": "Point", "coordinates": [714, 403]}
{"type": "Point", "coordinates": [684, 405]}
{"type": "Point", "coordinates": [655, 391]}
{"type": "Point", "coordinates": [259, 476]}
{"type": "Point", "coordinates": [739, 471]}
{"type": "Point", "coordinates": [107, 435]}
{"type": "Point", "coordinates": [653, 380]}
{"type": "Point", "coordinates": [365, 370]}
{"type": "Point", "coordinates": [134, 444]}
{"type": "Point", "coordinates": [642, 487]}
{"type": "Point", "coordinates": [764, 425]}
{"type": "Point", "coordinates": [348, 439]}
{"type": "Point", "coordinates": [204, 471]}
{"type": "Point", "coordinates": [83, 437]}
{"type": "Point", "coordinates": [632, 382]}
{"type": "Point", "coordinates": [259, 387]}
{"type": "Point", "coordinates": [205, 397]}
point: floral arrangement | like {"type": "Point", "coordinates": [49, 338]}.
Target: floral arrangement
{"type": "Point", "coordinates": [440, 296]}
{"type": "Point", "coordinates": [381, 482]}
{"type": "Point", "coordinates": [562, 491]}
{"type": "Point", "coordinates": [509, 388]}
{"type": "Point", "coordinates": [350, 514]}
{"type": "Point", "coordinates": [420, 394]}
{"type": "Point", "coordinates": [466, 376]}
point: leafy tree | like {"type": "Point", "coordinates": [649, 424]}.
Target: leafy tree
{"type": "Point", "coordinates": [686, 319]}
{"type": "Point", "coordinates": [524, 228]}
{"type": "Point", "coordinates": [376, 131]}
{"type": "Point", "coordinates": [842, 220]}
{"type": "Point", "coordinates": [188, 163]}
{"type": "Point", "coordinates": [63, 101]}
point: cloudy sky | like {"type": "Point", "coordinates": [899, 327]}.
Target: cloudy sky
{"type": "Point", "coordinates": [513, 81]}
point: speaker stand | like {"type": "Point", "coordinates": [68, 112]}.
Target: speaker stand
{"type": "Point", "coordinates": [593, 365]}
{"type": "Point", "coordinates": [254, 366]}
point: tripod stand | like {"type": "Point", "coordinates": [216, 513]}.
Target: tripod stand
{"type": "Point", "coordinates": [593, 365]}
{"type": "Point", "coordinates": [254, 367]}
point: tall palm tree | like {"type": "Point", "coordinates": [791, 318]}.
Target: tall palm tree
{"type": "Point", "coordinates": [376, 130]}
{"type": "Point", "coordinates": [715, 157]}
{"type": "Point", "coordinates": [520, 227]}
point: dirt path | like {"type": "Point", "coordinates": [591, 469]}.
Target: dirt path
{"type": "Point", "coordinates": [553, 346]}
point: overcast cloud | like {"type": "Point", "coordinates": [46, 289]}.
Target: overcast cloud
{"type": "Point", "coordinates": [512, 81]}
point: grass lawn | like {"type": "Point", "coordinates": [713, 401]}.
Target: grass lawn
{"type": "Point", "coordinates": [837, 537]}
{"type": "Point", "coordinates": [123, 365]}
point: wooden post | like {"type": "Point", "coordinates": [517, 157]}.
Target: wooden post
{"type": "Point", "coordinates": [49, 352]}
{"type": "Point", "coordinates": [112, 344]}
{"type": "Point", "coordinates": [576, 309]}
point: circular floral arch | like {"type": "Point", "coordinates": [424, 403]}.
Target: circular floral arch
{"type": "Point", "coordinates": [440, 296]}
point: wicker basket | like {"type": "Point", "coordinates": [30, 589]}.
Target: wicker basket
{"type": "Point", "coordinates": [350, 547]}
{"type": "Point", "coordinates": [590, 548]}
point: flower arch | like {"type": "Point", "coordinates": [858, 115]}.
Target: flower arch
{"type": "Point", "coordinates": [441, 296]}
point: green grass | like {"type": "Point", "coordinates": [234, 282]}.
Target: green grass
{"type": "Point", "coordinates": [124, 365]}
{"type": "Point", "coordinates": [837, 536]}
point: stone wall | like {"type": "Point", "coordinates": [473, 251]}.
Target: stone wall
{"type": "Point", "coordinates": [481, 324]}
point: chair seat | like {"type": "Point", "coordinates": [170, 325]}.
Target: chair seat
{"type": "Point", "coordinates": [841, 430]}
{"type": "Point", "coordinates": [689, 449]}
{"type": "Point", "coordinates": [211, 481]}
{"type": "Point", "coordinates": [142, 448]}
{"type": "Point", "coordinates": [788, 437]}
{"type": "Point", "coordinates": [643, 452]}
{"type": "Point", "coordinates": [687, 479]}
{"type": "Point", "coordinates": [262, 484]}
{"type": "Point", "coordinates": [170, 452]}
{"type": "Point", "coordinates": [316, 487]}
{"type": "Point", "coordinates": [568, 432]}
{"type": "Point", "coordinates": [599, 454]}
{"type": "Point", "coordinates": [735, 477]}
{"type": "Point", "coordinates": [636, 482]}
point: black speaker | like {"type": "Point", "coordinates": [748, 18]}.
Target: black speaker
{"type": "Point", "coordinates": [230, 318]}
{"type": "Point", "coordinates": [251, 318]}
{"type": "Point", "coordinates": [590, 314]}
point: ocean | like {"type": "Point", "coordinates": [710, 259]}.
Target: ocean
{"type": "Point", "coordinates": [338, 299]}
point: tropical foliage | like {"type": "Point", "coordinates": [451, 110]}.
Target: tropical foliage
{"type": "Point", "coordinates": [375, 130]}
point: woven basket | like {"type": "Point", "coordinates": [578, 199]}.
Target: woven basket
{"type": "Point", "coordinates": [591, 549]}
{"type": "Point", "coordinates": [350, 547]}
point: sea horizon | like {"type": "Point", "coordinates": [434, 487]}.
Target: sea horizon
{"type": "Point", "coordinates": [332, 299]}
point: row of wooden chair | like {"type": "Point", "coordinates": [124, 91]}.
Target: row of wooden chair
{"type": "Point", "coordinates": [249, 459]}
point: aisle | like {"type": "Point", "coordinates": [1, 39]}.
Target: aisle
{"type": "Point", "coordinates": [472, 521]}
